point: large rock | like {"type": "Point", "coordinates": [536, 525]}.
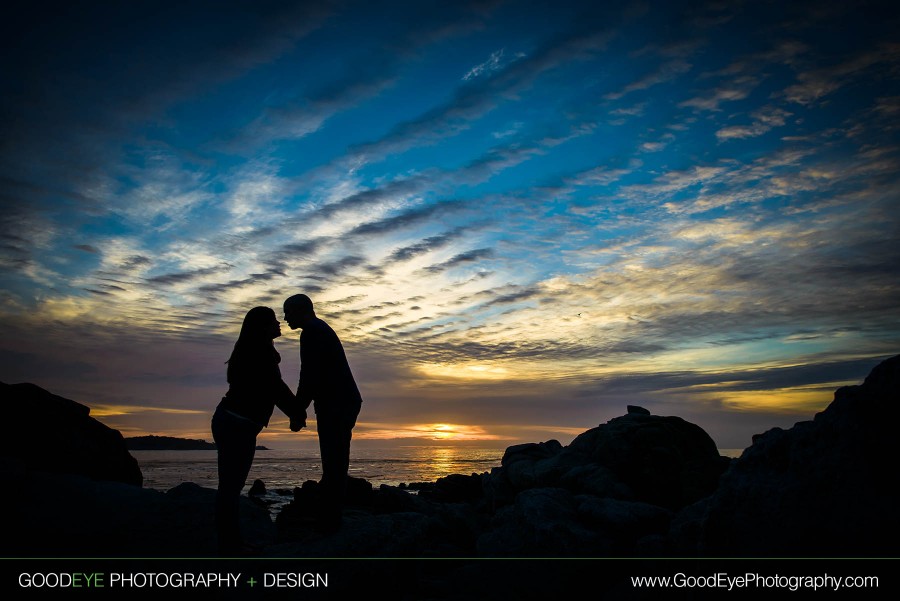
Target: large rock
{"type": "Point", "coordinates": [822, 488]}
{"type": "Point", "coordinates": [54, 434]}
{"type": "Point", "coordinates": [75, 490]}
{"type": "Point", "coordinates": [543, 522]}
{"type": "Point", "coordinates": [665, 461]}
{"type": "Point", "coordinates": [614, 490]}
{"type": "Point", "coordinates": [68, 515]}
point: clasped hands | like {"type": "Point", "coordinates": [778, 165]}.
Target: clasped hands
{"type": "Point", "coordinates": [298, 423]}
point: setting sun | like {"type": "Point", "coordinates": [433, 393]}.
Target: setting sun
{"type": "Point", "coordinates": [451, 432]}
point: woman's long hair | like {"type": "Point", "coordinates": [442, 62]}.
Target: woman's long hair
{"type": "Point", "coordinates": [255, 342]}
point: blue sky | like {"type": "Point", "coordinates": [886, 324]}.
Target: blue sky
{"type": "Point", "coordinates": [519, 216]}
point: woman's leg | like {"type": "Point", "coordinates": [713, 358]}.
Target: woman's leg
{"type": "Point", "coordinates": [236, 445]}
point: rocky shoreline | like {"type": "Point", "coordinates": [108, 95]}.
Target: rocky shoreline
{"type": "Point", "coordinates": [639, 485]}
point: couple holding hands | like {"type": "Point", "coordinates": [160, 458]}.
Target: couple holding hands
{"type": "Point", "coordinates": [256, 387]}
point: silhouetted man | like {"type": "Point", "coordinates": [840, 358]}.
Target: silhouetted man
{"type": "Point", "coordinates": [325, 381]}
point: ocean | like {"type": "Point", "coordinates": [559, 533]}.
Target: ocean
{"type": "Point", "coordinates": [286, 468]}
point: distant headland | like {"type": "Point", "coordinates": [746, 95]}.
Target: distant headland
{"type": "Point", "coordinates": [167, 443]}
{"type": "Point", "coordinates": [171, 443]}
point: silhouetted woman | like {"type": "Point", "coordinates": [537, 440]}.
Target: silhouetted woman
{"type": "Point", "coordinates": [255, 387]}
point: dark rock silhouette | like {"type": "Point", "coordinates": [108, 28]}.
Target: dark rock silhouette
{"type": "Point", "coordinates": [646, 485]}
{"type": "Point", "coordinates": [67, 515]}
{"type": "Point", "coordinates": [614, 490]}
{"type": "Point", "coordinates": [54, 434]}
{"type": "Point", "coordinates": [257, 489]}
{"type": "Point", "coordinates": [665, 461]}
{"type": "Point", "coordinates": [821, 488]}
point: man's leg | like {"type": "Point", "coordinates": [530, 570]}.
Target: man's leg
{"type": "Point", "coordinates": [334, 445]}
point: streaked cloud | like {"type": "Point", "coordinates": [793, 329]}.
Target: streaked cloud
{"type": "Point", "coordinates": [519, 218]}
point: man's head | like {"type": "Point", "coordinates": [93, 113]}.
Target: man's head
{"type": "Point", "coordinates": [298, 310]}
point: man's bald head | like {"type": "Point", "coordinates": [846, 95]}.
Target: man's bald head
{"type": "Point", "coordinates": [298, 310]}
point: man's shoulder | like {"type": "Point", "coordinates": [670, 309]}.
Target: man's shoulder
{"type": "Point", "coordinates": [317, 328]}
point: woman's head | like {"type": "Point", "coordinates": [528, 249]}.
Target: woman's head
{"type": "Point", "coordinates": [255, 342]}
{"type": "Point", "coordinates": [260, 323]}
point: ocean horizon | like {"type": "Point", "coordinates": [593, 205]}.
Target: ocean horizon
{"type": "Point", "coordinates": [287, 468]}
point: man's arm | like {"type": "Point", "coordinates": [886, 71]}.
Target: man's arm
{"type": "Point", "coordinates": [310, 359]}
{"type": "Point", "coordinates": [290, 406]}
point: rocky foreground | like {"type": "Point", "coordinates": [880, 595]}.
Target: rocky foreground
{"type": "Point", "coordinates": [639, 485]}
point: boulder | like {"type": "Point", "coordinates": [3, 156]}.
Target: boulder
{"type": "Point", "coordinates": [257, 489]}
{"type": "Point", "coordinates": [543, 522]}
{"type": "Point", "coordinates": [665, 461]}
{"type": "Point", "coordinates": [55, 434]}
{"type": "Point", "coordinates": [821, 488]}
{"type": "Point", "coordinates": [69, 515]}
{"type": "Point", "coordinates": [455, 488]}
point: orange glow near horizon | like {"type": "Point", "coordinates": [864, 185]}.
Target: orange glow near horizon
{"type": "Point", "coordinates": [278, 429]}
{"type": "Point", "coordinates": [134, 421]}
{"type": "Point", "coordinates": [792, 401]}
{"type": "Point", "coordinates": [98, 411]}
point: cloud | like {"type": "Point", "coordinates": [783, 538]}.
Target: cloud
{"type": "Point", "coordinates": [20, 237]}
{"type": "Point", "coordinates": [490, 65]}
{"type": "Point", "coordinates": [813, 85]}
{"type": "Point", "coordinates": [425, 246]}
{"type": "Point", "coordinates": [514, 297]}
{"type": "Point", "coordinates": [750, 379]}
{"type": "Point", "coordinates": [181, 277]}
{"type": "Point", "coordinates": [461, 259]}
{"type": "Point", "coordinates": [410, 217]}
{"type": "Point", "coordinates": [391, 192]}
{"type": "Point", "coordinates": [667, 72]}
{"type": "Point", "coordinates": [658, 146]}
{"type": "Point", "coordinates": [738, 89]}
{"type": "Point", "coordinates": [253, 280]}
{"type": "Point", "coordinates": [85, 116]}
{"type": "Point", "coordinates": [364, 76]}
{"type": "Point", "coordinates": [306, 115]}
{"type": "Point", "coordinates": [476, 100]}
{"type": "Point", "coordinates": [402, 192]}
{"type": "Point", "coordinates": [764, 120]}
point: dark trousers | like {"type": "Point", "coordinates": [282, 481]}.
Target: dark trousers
{"type": "Point", "coordinates": [235, 440]}
{"type": "Point", "coordinates": [335, 429]}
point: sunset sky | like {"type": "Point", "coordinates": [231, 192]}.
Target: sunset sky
{"type": "Point", "coordinates": [520, 217]}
